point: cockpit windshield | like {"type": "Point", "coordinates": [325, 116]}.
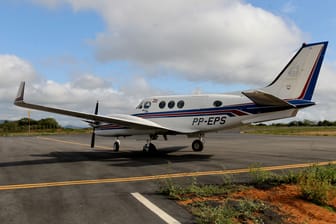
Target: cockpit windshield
{"type": "Point", "coordinates": [140, 105]}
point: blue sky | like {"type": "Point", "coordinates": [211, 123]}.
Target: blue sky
{"type": "Point", "coordinates": [132, 49]}
{"type": "Point", "coordinates": [316, 19]}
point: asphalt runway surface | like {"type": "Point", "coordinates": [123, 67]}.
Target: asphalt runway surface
{"type": "Point", "coordinates": [59, 179]}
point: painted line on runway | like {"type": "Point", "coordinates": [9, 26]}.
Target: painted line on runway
{"type": "Point", "coordinates": [72, 143]}
{"type": "Point", "coordinates": [155, 177]}
{"type": "Point", "coordinates": [155, 209]}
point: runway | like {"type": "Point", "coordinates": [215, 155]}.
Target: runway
{"type": "Point", "coordinates": [59, 179]}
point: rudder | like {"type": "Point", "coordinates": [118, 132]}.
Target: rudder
{"type": "Point", "coordinates": [298, 79]}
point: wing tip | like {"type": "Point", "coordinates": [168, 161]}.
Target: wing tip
{"type": "Point", "coordinates": [20, 93]}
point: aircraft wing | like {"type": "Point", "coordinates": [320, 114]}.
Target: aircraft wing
{"type": "Point", "coordinates": [119, 119]}
{"type": "Point", "coordinates": [265, 99]}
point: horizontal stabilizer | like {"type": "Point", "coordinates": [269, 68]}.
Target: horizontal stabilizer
{"type": "Point", "coordinates": [265, 99]}
{"type": "Point", "coordinates": [272, 116]}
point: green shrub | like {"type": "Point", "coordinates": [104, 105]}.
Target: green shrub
{"type": "Point", "coordinates": [316, 183]}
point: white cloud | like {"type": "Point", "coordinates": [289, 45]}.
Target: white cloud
{"type": "Point", "coordinates": [220, 40]}
{"type": "Point", "coordinates": [14, 69]}
{"type": "Point", "coordinates": [79, 94]}
{"type": "Point", "coordinates": [90, 82]}
{"type": "Point", "coordinates": [217, 40]}
{"type": "Point", "coordinates": [324, 96]}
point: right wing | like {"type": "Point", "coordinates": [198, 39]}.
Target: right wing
{"type": "Point", "coordinates": [119, 119]}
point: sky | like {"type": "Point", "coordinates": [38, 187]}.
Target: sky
{"type": "Point", "coordinates": [72, 53]}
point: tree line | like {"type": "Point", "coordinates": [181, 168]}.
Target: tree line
{"type": "Point", "coordinates": [305, 123]}
{"type": "Point", "coordinates": [26, 123]}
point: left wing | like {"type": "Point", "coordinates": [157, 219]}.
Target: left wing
{"type": "Point", "coordinates": [119, 119]}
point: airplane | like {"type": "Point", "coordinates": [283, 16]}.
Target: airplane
{"type": "Point", "coordinates": [196, 115]}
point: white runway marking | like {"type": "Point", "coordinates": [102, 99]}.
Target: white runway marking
{"type": "Point", "coordinates": [159, 212]}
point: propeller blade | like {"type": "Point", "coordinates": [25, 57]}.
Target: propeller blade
{"type": "Point", "coordinates": [93, 138]}
{"type": "Point", "coordinates": [96, 109]}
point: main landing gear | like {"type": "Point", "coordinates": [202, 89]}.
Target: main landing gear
{"type": "Point", "coordinates": [198, 144]}
{"type": "Point", "coordinates": [149, 147]}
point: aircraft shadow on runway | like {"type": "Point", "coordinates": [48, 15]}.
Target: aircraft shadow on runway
{"type": "Point", "coordinates": [122, 158]}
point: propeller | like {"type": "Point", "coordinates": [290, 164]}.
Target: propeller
{"type": "Point", "coordinates": [93, 137]}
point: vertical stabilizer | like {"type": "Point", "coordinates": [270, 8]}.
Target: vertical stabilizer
{"type": "Point", "coordinates": [298, 79]}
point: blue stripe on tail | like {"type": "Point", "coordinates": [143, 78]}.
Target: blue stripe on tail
{"type": "Point", "coordinates": [309, 90]}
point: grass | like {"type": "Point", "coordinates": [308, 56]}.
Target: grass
{"type": "Point", "coordinates": [306, 131]}
{"type": "Point", "coordinates": [229, 211]}
{"type": "Point", "coordinates": [317, 183]}
{"type": "Point", "coordinates": [213, 204]}
{"type": "Point", "coordinates": [179, 192]}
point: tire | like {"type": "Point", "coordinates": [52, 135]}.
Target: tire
{"type": "Point", "coordinates": [149, 148]}
{"type": "Point", "coordinates": [197, 145]}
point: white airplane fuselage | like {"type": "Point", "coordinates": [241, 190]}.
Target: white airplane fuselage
{"type": "Point", "coordinates": [199, 113]}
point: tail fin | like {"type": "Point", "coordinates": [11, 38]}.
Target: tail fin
{"type": "Point", "coordinates": [298, 79]}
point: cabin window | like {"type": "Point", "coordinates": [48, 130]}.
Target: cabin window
{"type": "Point", "coordinates": [171, 104]}
{"type": "Point", "coordinates": [162, 104]}
{"type": "Point", "coordinates": [217, 103]}
{"type": "Point", "coordinates": [147, 104]}
{"type": "Point", "coordinates": [180, 104]}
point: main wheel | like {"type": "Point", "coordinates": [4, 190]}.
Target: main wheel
{"type": "Point", "coordinates": [116, 146]}
{"type": "Point", "coordinates": [149, 148]}
{"type": "Point", "coordinates": [197, 145]}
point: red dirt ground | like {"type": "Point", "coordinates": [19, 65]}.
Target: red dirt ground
{"type": "Point", "coordinates": [287, 199]}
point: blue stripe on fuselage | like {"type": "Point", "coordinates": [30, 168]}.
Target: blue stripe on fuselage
{"type": "Point", "coordinates": [231, 111]}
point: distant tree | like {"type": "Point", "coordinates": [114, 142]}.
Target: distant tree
{"type": "Point", "coordinates": [308, 123]}
{"type": "Point", "coordinates": [10, 126]}
{"type": "Point", "coordinates": [293, 123]}
{"type": "Point", "coordinates": [325, 123]}
{"type": "Point", "coordinates": [26, 121]}
{"type": "Point", "coordinates": [48, 123]}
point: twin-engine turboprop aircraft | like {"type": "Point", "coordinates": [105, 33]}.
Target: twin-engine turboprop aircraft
{"type": "Point", "coordinates": [195, 115]}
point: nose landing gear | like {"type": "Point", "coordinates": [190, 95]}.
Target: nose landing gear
{"type": "Point", "coordinates": [116, 145]}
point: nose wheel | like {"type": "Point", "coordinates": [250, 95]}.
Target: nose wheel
{"type": "Point", "coordinates": [116, 145]}
{"type": "Point", "coordinates": [197, 145]}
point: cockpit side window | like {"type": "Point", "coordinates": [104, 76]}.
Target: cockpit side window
{"type": "Point", "coordinates": [147, 104]}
